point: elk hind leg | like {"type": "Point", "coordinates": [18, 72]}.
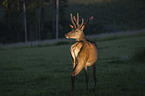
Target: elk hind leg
{"type": "Point", "coordinates": [94, 75]}
{"type": "Point", "coordinates": [86, 75]}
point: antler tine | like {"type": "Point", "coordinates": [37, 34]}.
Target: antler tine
{"type": "Point", "coordinates": [77, 19]}
{"type": "Point", "coordinates": [72, 20]}
{"type": "Point", "coordinates": [89, 20]}
{"type": "Point", "coordinates": [82, 22]}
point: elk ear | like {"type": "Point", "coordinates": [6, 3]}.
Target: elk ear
{"type": "Point", "coordinates": [71, 26]}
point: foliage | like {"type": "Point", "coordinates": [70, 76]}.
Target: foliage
{"type": "Point", "coordinates": [127, 14]}
{"type": "Point", "coordinates": [12, 21]}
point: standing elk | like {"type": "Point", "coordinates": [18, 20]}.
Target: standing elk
{"type": "Point", "coordinates": [84, 53]}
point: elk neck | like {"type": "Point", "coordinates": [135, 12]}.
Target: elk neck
{"type": "Point", "coordinates": [82, 37]}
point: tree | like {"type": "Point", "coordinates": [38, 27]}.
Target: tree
{"type": "Point", "coordinates": [12, 20]}
{"type": "Point", "coordinates": [25, 22]}
{"type": "Point", "coordinates": [57, 18]}
{"type": "Point", "coordinates": [38, 7]}
{"type": "Point", "coordinates": [24, 19]}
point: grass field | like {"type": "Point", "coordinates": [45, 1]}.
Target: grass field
{"type": "Point", "coordinates": [45, 70]}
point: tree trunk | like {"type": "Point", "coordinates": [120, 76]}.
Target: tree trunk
{"type": "Point", "coordinates": [42, 17]}
{"type": "Point", "coordinates": [53, 21]}
{"type": "Point", "coordinates": [39, 24]}
{"type": "Point", "coordinates": [25, 22]}
{"type": "Point", "coordinates": [18, 5]}
{"type": "Point", "coordinates": [57, 18]}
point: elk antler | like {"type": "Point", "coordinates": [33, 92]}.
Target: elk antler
{"type": "Point", "coordinates": [72, 21]}
{"type": "Point", "coordinates": [77, 21]}
{"type": "Point", "coordinates": [89, 20]}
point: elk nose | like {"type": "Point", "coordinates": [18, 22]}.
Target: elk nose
{"type": "Point", "coordinates": [66, 36]}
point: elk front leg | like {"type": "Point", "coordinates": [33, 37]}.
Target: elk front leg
{"type": "Point", "coordinates": [76, 71]}
{"type": "Point", "coordinates": [73, 57]}
{"type": "Point", "coordinates": [86, 75]}
{"type": "Point", "coordinates": [73, 82]}
{"type": "Point", "coordinates": [74, 63]}
{"type": "Point", "coordinates": [75, 49]}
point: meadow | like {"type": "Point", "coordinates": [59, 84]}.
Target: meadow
{"type": "Point", "coordinates": [45, 70]}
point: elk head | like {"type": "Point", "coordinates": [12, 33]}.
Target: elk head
{"type": "Point", "coordinates": [77, 29]}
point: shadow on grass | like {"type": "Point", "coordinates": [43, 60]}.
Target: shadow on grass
{"type": "Point", "coordinates": [139, 56]}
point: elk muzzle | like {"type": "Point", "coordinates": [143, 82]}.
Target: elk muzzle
{"type": "Point", "coordinates": [66, 36]}
{"type": "Point", "coordinates": [70, 34]}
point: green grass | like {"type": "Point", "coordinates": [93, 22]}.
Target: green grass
{"type": "Point", "coordinates": [45, 71]}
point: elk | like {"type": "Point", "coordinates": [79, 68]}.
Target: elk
{"type": "Point", "coordinates": [84, 52]}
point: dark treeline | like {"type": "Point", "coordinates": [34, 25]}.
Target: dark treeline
{"type": "Point", "coordinates": [111, 15]}
{"type": "Point", "coordinates": [29, 19]}
{"type": "Point", "coordinates": [37, 18]}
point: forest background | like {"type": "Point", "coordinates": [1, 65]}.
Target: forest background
{"type": "Point", "coordinates": [38, 18]}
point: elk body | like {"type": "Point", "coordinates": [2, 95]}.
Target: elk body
{"type": "Point", "coordinates": [84, 53]}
